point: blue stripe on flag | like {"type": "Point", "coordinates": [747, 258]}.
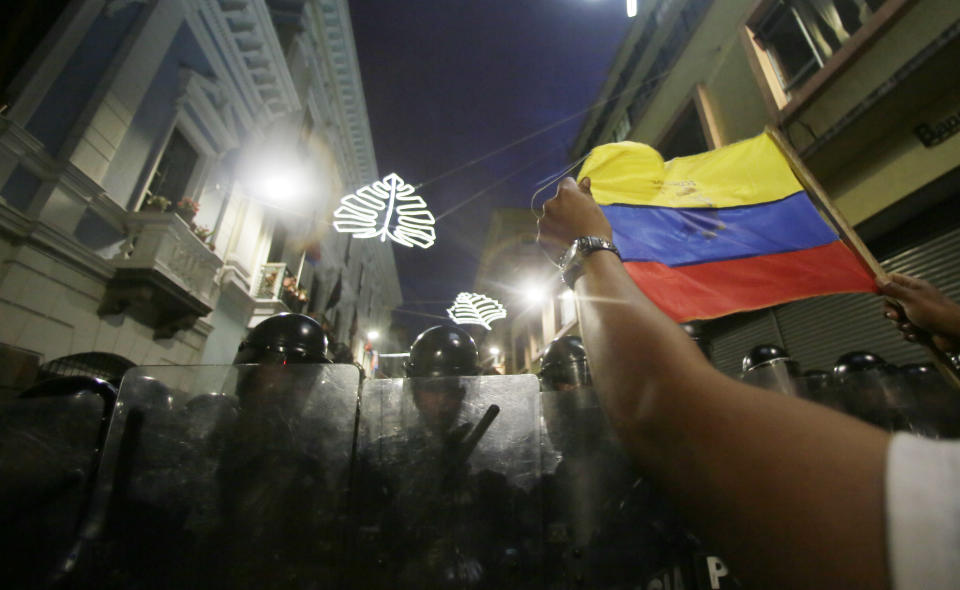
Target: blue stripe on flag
{"type": "Point", "coordinates": [681, 236]}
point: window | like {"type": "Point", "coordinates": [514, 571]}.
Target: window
{"type": "Point", "coordinates": [174, 170]}
{"type": "Point", "coordinates": [566, 308]}
{"type": "Point", "coordinates": [24, 26]}
{"type": "Point", "coordinates": [799, 36]}
{"type": "Point", "coordinates": [314, 293]}
{"type": "Point", "coordinates": [685, 136]}
{"type": "Point", "coordinates": [622, 129]}
{"type": "Point", "coordinates": [277, 243]}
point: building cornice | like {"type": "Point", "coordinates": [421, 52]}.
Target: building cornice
{"type": "Point", "coordinates": [30, 153]}
{"type": "Point", "coordinates": [49, 239]}
{"type": "Point", "coordinates": [333, 16]}
{"type": "Point", "coordinates": [246, 40]}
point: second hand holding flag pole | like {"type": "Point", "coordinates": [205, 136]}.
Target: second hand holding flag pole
{"type": "Point", "coordinates": [853, 241]}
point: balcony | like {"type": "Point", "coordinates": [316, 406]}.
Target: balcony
{"type": "Point", "coordinates": [166, 276]}
{"type": "Point", "coordinates": [277, 291]}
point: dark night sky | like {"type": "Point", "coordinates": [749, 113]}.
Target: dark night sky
{"type": "Point", "coordinates": [448, 81]}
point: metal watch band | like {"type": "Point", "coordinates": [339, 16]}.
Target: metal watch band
{"type": "Point", "coordinates": [572, 266]}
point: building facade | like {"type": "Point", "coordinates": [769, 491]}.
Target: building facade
{"type": "Point", "coordinates": [865, 92]}
{"type": "Point", "coordinates": [168, 169]}
{"type": "Point", "coordinates": [514, 270]}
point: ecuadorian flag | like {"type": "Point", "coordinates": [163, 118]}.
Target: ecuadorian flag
{"type": "Point", "coordinates": [720, 232]}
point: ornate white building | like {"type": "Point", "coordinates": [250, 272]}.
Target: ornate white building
{"type": "Point", "coordinates": [254, 110]}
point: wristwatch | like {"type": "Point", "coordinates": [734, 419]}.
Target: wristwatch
{"type": "Point", "coordinates": [571, 264]}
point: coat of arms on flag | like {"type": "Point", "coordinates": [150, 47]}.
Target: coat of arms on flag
{"type": "Point", "coordinates": [720, 232]}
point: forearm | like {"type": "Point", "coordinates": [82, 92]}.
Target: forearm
{"type": "Point", "coordinates": [790, 492]}
{"type": "Point", "coordinates": [638, 355]}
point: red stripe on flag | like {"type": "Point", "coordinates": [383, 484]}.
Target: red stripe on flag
{"type": "Point", "coordinates": [714, 289]}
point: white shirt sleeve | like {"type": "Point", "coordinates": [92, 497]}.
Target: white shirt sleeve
{"type": "Point", "coordinates": [923, 513]}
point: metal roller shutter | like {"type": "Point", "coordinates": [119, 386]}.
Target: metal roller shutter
{"type": "Point", "coordinates": [818, 331]}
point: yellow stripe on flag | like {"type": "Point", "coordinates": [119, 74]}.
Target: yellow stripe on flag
{"type": "Point", "coordinates": [745, 173]}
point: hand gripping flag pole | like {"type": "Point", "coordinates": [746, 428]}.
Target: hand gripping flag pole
{"type": "Point", "coordinates": [850, 237]}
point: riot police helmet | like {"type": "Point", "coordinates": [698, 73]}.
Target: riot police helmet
{"type": "Point", "coordinates": [443, 351]}
{"type": "Point", "coordinates": [340, 353]}
{"type": "Point", "coordinates": [817, 376]}
{"type": "Point", "coordinates": [857, 362]}
{"type": "Point", "coordinates": [918, 369]}
{"type": "Point", "coordinates": [282, 339]}
{"type": "Point", "coordinates": [762, 355]}
{"type": "Point", "coordinates": [565, 364]}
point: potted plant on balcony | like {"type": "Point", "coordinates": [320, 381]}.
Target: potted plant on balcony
{"type": "Point", "coordinates": [187, 209]}
{"type": "Point", "coordinates": [155, 203]}
{"type": "Point", "coordinates": [204, 233]}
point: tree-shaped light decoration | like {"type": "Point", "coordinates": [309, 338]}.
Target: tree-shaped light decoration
{"type": "Point", "coordinates": [370, 213]}
{"type": "Point", "coordinates": [473, 308]}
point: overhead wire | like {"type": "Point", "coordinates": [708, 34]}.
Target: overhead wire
{"type": "Point", "coordinates": [542, 130]}
{"type": "Point", "coordinates": [552, 178]}
{"type": "Point", "coordinates": [499, 181]}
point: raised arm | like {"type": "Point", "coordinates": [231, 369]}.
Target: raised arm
{"type": "Point", "coordinates": [790, 493]}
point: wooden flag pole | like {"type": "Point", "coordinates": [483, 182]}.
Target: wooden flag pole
{"type": "Point", "coordinates": [852, 240]}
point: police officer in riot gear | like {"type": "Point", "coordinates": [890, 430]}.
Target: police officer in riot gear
{"type": "Point", "coordinates": [424, 515]}
{"type": "Point", "coordinates": [238, 488]}
{"type": "Point", "coordinates": [275, 508]}
{"type": "Point", "coordinates": [284, 338]}
{"type": "Point", "coordinates": [769, 366]}
{"type": "Point", "coordinates": [437, 357]}
{"type": "Point", "coordinates": [564, 365]}
{"type": "Point", "coordinates": [604, 526]}
{"type": "Point", "coordinates": [937, 404]}
{"type": "Point", "coordinates": [819, 386]}
{"type": "Point", "coordinates": [340, 353]}
{"type": "Point", "coordinates": [873, 391]}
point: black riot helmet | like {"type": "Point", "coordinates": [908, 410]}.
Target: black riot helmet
{"type": "Point", "coordinates": [443, 351]}
{"type": "Point", "coordinates": [856, 362]}
{"type": "Point", "coordinates": [565, 363]}
{"type": "Point", "coordinates": [763, 354]}
{"type": "Point", "coordinates": [696, 333]}
{"type": "Point", "coordinates": [817, 377]}
{"type": "Point", "coordinates": [340, 353]}
{"type": "Point", "coordinates": [918, 369]}
{"type": "Point", "coordinates": [284, 338]}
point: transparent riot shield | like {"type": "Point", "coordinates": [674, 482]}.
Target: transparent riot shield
{"type": "Point", "coordinates": [604, 525]}
{"type": "Point", "coordinates": [931, 406]}
{"type": "Point", "coordinates": [779, 375]}
{"type": "Point", "coordinates": [225, 477]}
{"type": "Point", "coordinates": [822, 388]}
{"type": "Point", "coordinates": [442, 493]}
{"type": "Point", "coordinates": [48, 454]}
{"type": "Point", "coordinates": [885, 399]}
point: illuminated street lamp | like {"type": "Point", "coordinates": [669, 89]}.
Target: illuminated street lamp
{"type": "Point", "coordinates": [373, 335]}
{"type": "Point", "coordinates": [534, 293]}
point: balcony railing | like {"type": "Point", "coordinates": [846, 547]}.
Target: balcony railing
{"type": "Point", "coordinates": [164, 270]}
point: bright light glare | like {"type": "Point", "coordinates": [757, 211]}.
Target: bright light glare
{"type": "Point", "coordinates": [277, 183]}
{"type": "Point", "coordinates": [494, 350]}
{"type": "Point", "coordinates": [373, 335]}
{"type": "Point", "coordinates": [566, 295]}
{"type": "Point", "coordinates": [533, 293]}
{"type": "Point", "coordinates": [631, 8]}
